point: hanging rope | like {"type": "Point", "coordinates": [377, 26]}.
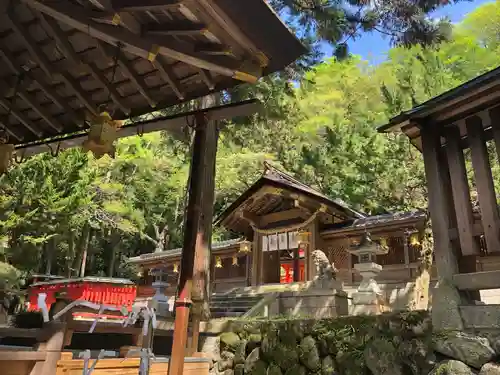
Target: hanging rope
{"type": "Point", "coordinates": [291, 228]}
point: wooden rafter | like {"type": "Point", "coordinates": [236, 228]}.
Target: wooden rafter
{"type": "Point", "coordinates": [28, 98]}
{"type": "Point", "coordinates": [144, 5]}
{"type": "Point", "coordinates": [28, 124]}
{"type": "Point", "coordinates": [129, 70]}
{"type": "Point", "coordinates": [116, 18]}
{"type": "Point", "coordinates": [44, 63]}
{"type": "Point", "coordinates": [168, 76]}
{"type": "Point", "coordinates": [206, 76]}
{"type": "Point", "coordinates": [144, 47]}
{"type": "Point", "coordinates": [67, 49]}
{"type": "Point", "coordinates": [39, 79]}
{"type": "Point", "coordinates": [174, 28]}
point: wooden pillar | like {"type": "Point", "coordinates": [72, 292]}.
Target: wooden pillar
{"type": "Point", "coordinates": [313, 243]}
{"type": "Point", "coordinates": [446, 298]}
{"type": "Point", "coordinates": [494, 114]}
{"type": "Point", "coordinates": [201, 273]}
{"type": "Point", "coordinates": [461, 193]}
{"type": "Point", "coordinates": [484, 183]}
{"type": "Point", "coordinates": [296, 265]}
{"type": "Point", "coordinates": [446, 261]}
{"type": "Point", "coordinates": [193, 243]}
{"type": "Point", "coordinates": [406, 250]}
{"type": "Point", "coordinates": [257, 238]}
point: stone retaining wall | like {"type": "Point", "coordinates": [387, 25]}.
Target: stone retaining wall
{"type": "Point", "coordinates": [388, 344]}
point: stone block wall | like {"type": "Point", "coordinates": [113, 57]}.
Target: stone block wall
{"type": "Point", "coordinates": [387, 344]}
{"type": "Point", "coordinates": [311, 303]}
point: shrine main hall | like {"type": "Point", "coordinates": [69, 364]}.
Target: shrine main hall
{"type": "Point", "coordinates": [278, 222]}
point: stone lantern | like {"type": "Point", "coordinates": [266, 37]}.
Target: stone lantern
{"type": "Point", "coordinates": [368, 297]}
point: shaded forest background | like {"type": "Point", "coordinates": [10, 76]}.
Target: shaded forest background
{"type": "Point", "coordinates": [57, 212]}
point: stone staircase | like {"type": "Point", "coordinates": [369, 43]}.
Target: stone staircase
{"type": "Point", "coordinates": [232, 304]}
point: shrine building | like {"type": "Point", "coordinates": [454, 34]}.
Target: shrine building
{"type": "Point", "coordinates": [278, 222]}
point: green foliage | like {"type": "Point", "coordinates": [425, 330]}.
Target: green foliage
{"type": "Point", "coordinates": [54, 211]}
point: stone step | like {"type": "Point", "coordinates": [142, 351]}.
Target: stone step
{"type": "Point", "coordinates": [235, 302]}
{"type": "Point", "coordinates": [226, 314]}
{"type": "Point", "coordinates": [477, 280]}
{"type": "Point", "coordinates": [480, 316]}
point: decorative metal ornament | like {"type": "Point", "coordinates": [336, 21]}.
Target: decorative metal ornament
{"type": "Point", "coordinates": [102, 135]}
{"type": "Point", "coordinates": [176, 268]}
{"type": "Point", "coordinates": [303, 237]}
{"type": "Point", "coordinates": [6, 152]}
{"type": "Point", "coordinates": [245, 246]}
{"type": "Point", "coordinates": [218, 262]}
{"type": "Point", "coordinates": [383, 242]}
{"type": "Point", "coordinates": [414, 241]}
{"type": "Point", "coordinates": [235, 261]}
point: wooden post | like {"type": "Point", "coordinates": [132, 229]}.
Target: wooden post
{"type": "Point", "coordinates": [255, 258]}
{"type": "Point", "coordinates": [495, 125]}
{"type": "Point", "coordinates": [201, 276]}
{"type": "Point", "coordinates": [192, 243]}
{"type": "Point", "coordinates": [445, 309]}
{"type": "Point", "coordinates": [405, 250]}
{"type": "Point", "coordinates": [296, 265]}
{"type": "Point", "coordinates": [484, 183]}
{"type": "Point", "coordinates": [461, 193]}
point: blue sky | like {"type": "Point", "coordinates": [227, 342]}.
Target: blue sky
{"type": "Point", "coordinates": [373, 46]}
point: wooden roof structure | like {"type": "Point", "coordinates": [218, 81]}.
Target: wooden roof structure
{"type": "Point", "coordinates": [64, 62]}
{"type": "Point", "coordinates": [475, 97]}
{"type": "Point", "coordinates": [276, 191]}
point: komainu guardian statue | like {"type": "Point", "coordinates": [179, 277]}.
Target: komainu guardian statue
{"type": "Point", "coordinates": [326, 273]}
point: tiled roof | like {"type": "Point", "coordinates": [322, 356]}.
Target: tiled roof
{"type": "Point", "coordinates": [148, 257]}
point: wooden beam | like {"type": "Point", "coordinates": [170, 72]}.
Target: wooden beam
{"type": "Point", "coordinates": [53, 123]}
{"type": "Point", "coordinates": [67, 49]}
{"type": "Point", "coordinates": [206, 76]}
{"type": "Point", "coordinates": [494, 114]}
{"type": "Point", "coordinates": [28, 124]}
{"type": "Point", "coordinates": [32, 46]}
{"type": "Point", "coordinates": [144, 5]}
{"type": "Point", "coordinates": [446, 260]}
{"type": "Point", "coordinates": [30, 77]}
{"type": "Point", "coordinates": [168, 76]}
{"type": "Point", "coordinates": [283, 215]}
{"type": "Point", "coordinates": [126, 65]}
{"type": "Point", "coordinates": [460, 190]}
{"type": "Point", "coordinates": [46, 65]}
{"type": "Point", "coordinates": [484, 183]}
{"type": "Point", "coordinates": [173, 124]}
{"type": "Point", "coordinates": [174, 28]}
{"type": "Point", "coordinates": [145, 48]}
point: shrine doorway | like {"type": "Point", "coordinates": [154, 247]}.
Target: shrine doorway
{"type": "Point", "coordinates": [287, 266]}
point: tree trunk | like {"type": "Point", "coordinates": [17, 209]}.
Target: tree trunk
{"type": "Point", "coordinates": [71, 254]}
{"type": "Point", "coordinates": [80, 246]}
{"type": "Point", "coordinates": [85, 244]}
{"type": "Point", "coordinates": [114, 241]}
{"type": "Point", "coordinates": [49, 252]}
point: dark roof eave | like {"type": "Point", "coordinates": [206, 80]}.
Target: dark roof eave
{"type": "Point", "coordinates": [449, 95]}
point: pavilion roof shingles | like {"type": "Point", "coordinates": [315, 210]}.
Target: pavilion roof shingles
{"type": "Point", "coordinates": [470, 98]}
{"type": "Point", "coordinates": [63, 62]}
{"type": "Point", "coordinates": [173, 253]}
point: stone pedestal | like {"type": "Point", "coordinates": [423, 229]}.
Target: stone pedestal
{"type": "Point", "coordinates": [368, 298]}
{"type": "Point", "coordinates": [162, 303]}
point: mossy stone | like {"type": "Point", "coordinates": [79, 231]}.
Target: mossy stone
{"type": "Point", "coordinates": [252, 360]}
{"type": "Point", "coordinates": [285, 356]}
{"type": "Point", "coordinates": [254, 341]}
{"type": "Point", "coordinates": [239, 369]}
{"type": "Point", "coordinates": [296, 370]}
{"type": "Point", "coordinates": [308, 354]}
{"type": "Point", "coordinates": [229, 341]}
{"type": "Point", "coordinates": [327, 366]}
{"type": "Point", "coordinates": [240, 353]}
{"type": "Point", "coordinates": [274, 369]}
